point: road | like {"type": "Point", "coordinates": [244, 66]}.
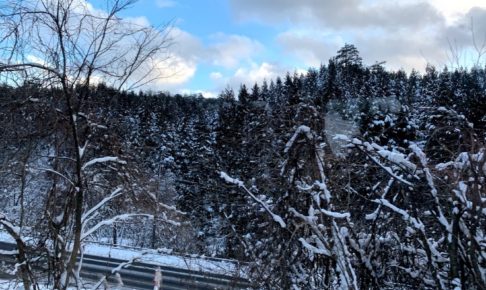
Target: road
{"type": "Point", "coordinates": [140, 275]}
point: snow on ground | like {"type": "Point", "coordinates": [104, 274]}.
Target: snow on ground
{"type": "Point", "coordinates": [153, 257]}
{"type": "Point", "coordinates": [5, 237]}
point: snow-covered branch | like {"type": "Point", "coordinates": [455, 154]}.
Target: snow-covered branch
{"type": "Point", "coordinates": [117, 192]}
{"type": "Point", "coordinates": [405, 215]}
{"type": "Point", "coordinates": [103, 160]}
{"type": "Point", "coordinates": [387, 169]}
{"type": "Point", "coordinates": [278, 219]}
{"type": "Point", "coordinates": [430, 181]}
{"type": "Point", "coordinates": [110, 221]}
{"type": "Point", "coordinates": [231, 180]}
{"type": "Point", "coordinates": [300, 130]}
{"type": "Point", "coordinates": [50, 170]}
{"type": "Point", "coordinates": [13, 230]}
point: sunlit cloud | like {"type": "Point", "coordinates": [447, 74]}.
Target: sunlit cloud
{"type": "Point", "coordinates": [455, 10]}
{"type": "Point", "coordinates": [175, 71]}
{"type": "Point", "coordinates": [229, 50]}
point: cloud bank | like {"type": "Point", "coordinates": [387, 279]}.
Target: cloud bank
{"type": "Point", "coordinates": [404, 33]}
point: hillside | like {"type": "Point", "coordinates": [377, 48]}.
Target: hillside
{"type": "Point", "coordinates": [346, 175]}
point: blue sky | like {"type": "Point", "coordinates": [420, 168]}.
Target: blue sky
{"type": "Point", "coordinates": [221, 43]}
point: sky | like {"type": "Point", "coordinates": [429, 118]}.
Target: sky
{"type": "Point", "coordinates": [223, 43]}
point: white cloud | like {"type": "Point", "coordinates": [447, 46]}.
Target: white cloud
{"type": "Point", "coordinates": [215, 76]}
{"type": "Point", "coordinates": [204, 93]}
{"type": "Point", "coordinates": [224, 50]}
{"type": "Point", "coordinates": [185, 44]}
{"type": "Point", "coordinates": [35, 59]}
{"type": "Point", "coordinates": [338, 14]}
{"type": "Point", "coordinates": [175, 71]}
{"type": "Point", "coordinates": [229, 50]}
{"type": "Point", "coordinates": [400, 50]}
{"type": "Point", "coordinates": [251, 74]}
{"type": "Point", "coordinates": [165, 3]}
{"type": "Point", "coordinates": [310, 46]}
{"type": "Point", "coordinates": [404, 33]}
{"type": "Point", "coordinates": [140, 20]}
{"type": "Point", "coordinates": [455, 10]}
{"type": "Point", "coordinates": [257, 73]}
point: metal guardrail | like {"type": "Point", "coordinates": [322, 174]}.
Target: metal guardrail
{"type": "Point", "coordinates": [139, 275]}
{"type": "Point", "coordinates": [171, 252]}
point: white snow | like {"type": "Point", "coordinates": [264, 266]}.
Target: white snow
{"type": "Point", "coordinates": [5, 223]}
{"type": "Point", "coordinates": [81, 150]}
{"type": "Point", "coordinates": [6, 237]}
{"type": "Point", "coordinates": [161, 258]}
{"type": "Point", "coordinates": [231, 180]}
{"type": "Point", "coordinates": [341, 137]}
{"type": "Point", "coordinates": [301, 130]}
{"type": "Point", "coordinates": [278, 219]}
{"type": "Point", "coordinates": [107, 222]}
{"type": "Point", "coordinates": [337, 130]}
{"type": "Point", "coordinates": [4, 252]}
{"type": "Point", "coordinates": [117, 192]}
{"type": "Point", "coordinates": [397, 158]}
{"type": "Point", "coordinates": [314, 250]}
{"type": "Point", "coordinates": [336, 215]}
{"type": "Point", "coordinates": [103, 160]}
{"type": "Point", "coordinates": [405, 215]}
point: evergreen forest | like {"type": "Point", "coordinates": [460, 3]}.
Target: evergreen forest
{"type": "Point", "coordinates": [348, 176]}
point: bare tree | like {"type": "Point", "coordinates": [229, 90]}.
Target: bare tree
{"type": "Point", "coordinates": [67, 46]}
{"type": "Point", "coordinates": [460, 56]}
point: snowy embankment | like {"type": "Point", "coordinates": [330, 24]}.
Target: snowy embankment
{"type": "Point", "coordinates": [15, 285]}
{"type": "Point", "coordinates": [160, 257]}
